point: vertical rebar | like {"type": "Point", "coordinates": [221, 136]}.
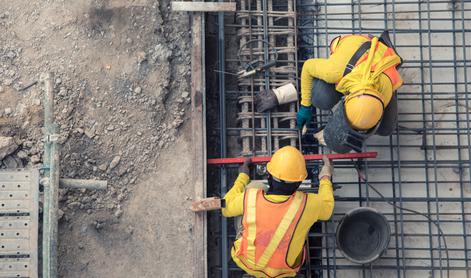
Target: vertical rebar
{"type": "Point", "coordinates": [424, 119]}
{"type": "Point", "coordinates": [222, 138]}
{"type": "Point", "coordinates": [399, 179]}
{"type": "Point", "coordinates": [294, 106]}
{"type": "Point", "coordinates": [468, 134]}
{"type": "Point", "coordinates": [266, 73]}
{"type": "Point", "coordinates": [272, 42]}
{"type": "Point", "coordinates": [432, 113]}
{"type": "Point", "coordinates": [245, 106]}
{"type": "Point", "coordinates": [393, 176]}
{"type": "Point", "coordinates": [458, 134]}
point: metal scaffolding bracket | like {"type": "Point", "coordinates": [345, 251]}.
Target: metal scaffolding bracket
{"type": "Point", "coordinates": [19, 194]}
{"type": "Point", "coordinates": [51, 181]}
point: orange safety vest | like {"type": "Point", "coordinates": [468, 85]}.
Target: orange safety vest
{"type": "Point", "coordinates": [390, 72]}
{"type": "Point", "coordinates": [267, 231]}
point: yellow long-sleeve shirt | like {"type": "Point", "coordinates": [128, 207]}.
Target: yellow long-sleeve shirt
{"type": "Point", "coordinates": [318, 207]}
{"type": "Point", "coordinates": [331, 70]}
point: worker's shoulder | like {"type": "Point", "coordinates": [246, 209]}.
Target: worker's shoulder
{"type": "Point", "coordinates": [311, 198]}
{"type": "Point", "coordinates": [257, 184]}
{"type": "Point", "coordinates": [312, 204]}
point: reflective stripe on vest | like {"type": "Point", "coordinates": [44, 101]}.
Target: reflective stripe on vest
{"type": "Point", "coordinates": [381, 52]}
{"type": "Point", "coordinates": [251, 224]}
{"type": "Point", "coordinates": [252, 245]}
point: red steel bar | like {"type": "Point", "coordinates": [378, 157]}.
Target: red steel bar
{"type": "Point", "coordinates": [264, 159]}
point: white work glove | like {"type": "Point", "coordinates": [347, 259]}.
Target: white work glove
{"type": "Point", "coordinates": [286, 93]}
{"type": "Point", "coordinates": [267, 100]}
{"type": "Point", "coordinates": [320, 137]}
{"type": "Point", "coordinates": [327, 168]}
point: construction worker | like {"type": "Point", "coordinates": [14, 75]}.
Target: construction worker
{"type": "Point", "coordinates": [361, 76]}
{"type": "Point", "coordinates": [276, 221]}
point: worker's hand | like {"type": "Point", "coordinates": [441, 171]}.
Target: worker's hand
{"type": "Point", "coordinates": [320, 137]}
{"type": "Point", "coordinates": [245, 167]}
{"type": "Point", "coordinates": [304, 116]}
{"type": "Point", "coordinates": [327, 169]}
{"type": "Point", "coordinates": [266, 100]}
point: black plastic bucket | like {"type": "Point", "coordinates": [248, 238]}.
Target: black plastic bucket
{"type": "Point", "coordinates": [363, 235]}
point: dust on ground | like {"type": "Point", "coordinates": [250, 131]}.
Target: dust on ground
{"type": "Point", "coordinates": [122, 71]}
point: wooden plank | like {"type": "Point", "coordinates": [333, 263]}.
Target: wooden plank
{"type": "Point", "coordinates": [183, 6]}
{"type": "Point", "coordinates": [206, 204]}
{"type": "Point", "coordinates": [198, 121]}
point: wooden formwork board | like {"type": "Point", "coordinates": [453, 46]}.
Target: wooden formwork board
{"type": "Point", "coordinates": [198, 111]}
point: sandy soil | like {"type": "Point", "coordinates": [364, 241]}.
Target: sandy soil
{"type": "Point", "coordinates": [122, 94]}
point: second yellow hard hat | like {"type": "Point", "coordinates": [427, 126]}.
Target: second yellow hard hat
{"type": "Point", "coordinates": [364, 111]}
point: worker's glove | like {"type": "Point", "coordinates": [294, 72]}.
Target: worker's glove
{"type": "Point", "coordinates": [245, 167]}
{"type": "Point", "coordinates": [267, 100]}
{"type": "Point", "coordinates": [304, 116]}
{"type": "Point", "coordinates": [327, 168]}
{"type": "Point", "coordinates": [320, 137]}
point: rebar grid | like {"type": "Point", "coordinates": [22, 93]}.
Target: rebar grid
{"type": "Point", "coordinates": [425, 164]}
{"type": "Point", "coordinates": [266, 27]}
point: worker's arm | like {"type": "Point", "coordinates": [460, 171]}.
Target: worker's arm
{"type": "Point", "coordinates": [330, 70]}
{"type": "Point", "coordinates": [235, 197]}
{"type": "Point", "coordinates": [325, 69]}
{"type": "Point", "coordinates": [326, 198]}
{"type": "Point", "coordinates": [325, 195]}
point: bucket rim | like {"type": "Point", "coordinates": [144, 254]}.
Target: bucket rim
{"type": "Point", "coordinates": [354, 212]}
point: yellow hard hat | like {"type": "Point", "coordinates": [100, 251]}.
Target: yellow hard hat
{"type": "Point", "coordinates": [363, 111]}
{"type": "Point", "coordinates": [288, 164]}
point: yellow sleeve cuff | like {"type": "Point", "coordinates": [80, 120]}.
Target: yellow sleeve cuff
{"type": "Point", "coordinates": [306, 102]}
{"type": "Point", "coordinates": [325, 182]}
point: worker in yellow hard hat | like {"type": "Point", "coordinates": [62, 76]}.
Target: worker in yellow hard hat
{"type": "Point", "coordinates": [277, 219]}
{"type": "Point", "coordinates": [361, 76]}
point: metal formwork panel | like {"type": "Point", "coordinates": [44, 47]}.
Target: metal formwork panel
{"type": "Point", "coordinates": [19, 223]}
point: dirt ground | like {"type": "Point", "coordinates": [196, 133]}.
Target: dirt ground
{"type": "Point", "coordinates": [122, 71]}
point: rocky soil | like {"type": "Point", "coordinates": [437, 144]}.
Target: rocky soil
{"type": "Point", "coordinates": [122, 71]}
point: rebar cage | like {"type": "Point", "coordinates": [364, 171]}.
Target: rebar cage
{"type": "Point", "coordinates": [423, 169]}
